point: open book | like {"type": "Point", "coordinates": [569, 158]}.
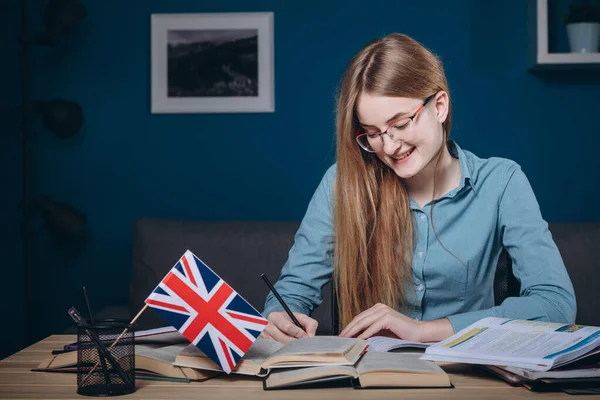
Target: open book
{"type": "Point", "coordinates": [372, 370]}
{"type": "Point", "coordinates": [532, 345]}
{"type": "Point", "coordinates": [384, 343]}
{"type": "Point", "coordinates": [266, 354]}
{"type": "Point", "coordinates": [150, 360]}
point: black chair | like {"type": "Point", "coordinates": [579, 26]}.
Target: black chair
{"type": "Point", "coordinates": [505, 283]}
{"type": "Point", "coordinates": [239, 252]}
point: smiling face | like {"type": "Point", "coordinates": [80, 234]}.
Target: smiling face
{"type": "Point", "coordinates": [415, 143]}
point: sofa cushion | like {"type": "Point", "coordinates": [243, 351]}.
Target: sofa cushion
{"type": "Point", "coordinates": [239, 252]}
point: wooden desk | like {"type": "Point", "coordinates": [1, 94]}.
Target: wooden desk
{"type": "Point", "coordinates": [18, 382]}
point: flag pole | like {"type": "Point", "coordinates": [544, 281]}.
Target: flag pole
{"type": "Point", "coordinates": [127, 328]}
{"type": "Point", "coordinates": [115, 342]}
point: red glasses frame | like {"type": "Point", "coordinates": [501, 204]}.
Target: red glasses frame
{"type": "Point", "coordinates": [411, 118]}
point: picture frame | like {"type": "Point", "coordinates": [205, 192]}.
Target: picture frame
{"type": "Point", "coordinates": [212, 63]}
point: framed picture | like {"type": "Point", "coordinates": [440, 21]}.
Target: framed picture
{"type": "Point", "coordinates": [212, 63]}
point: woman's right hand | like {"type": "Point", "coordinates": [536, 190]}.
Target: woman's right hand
{"type": "Point", "coordinates": [282, 329]}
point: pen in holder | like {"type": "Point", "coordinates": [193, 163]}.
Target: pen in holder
{"type": "Point", "coordinates": [103, 370]}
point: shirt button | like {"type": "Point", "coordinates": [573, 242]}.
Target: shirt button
{"type": "Point", "coordinates": [421, 254]}
{"type": "Point", "coordinates": [423, 217]}
{"type": "Point", "coordinates": [420, 287]}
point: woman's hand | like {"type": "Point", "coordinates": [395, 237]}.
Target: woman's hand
{"type": "Point", "coordinates": [282, 329]}
{"type": "Point", "coordinates": [384, 320]}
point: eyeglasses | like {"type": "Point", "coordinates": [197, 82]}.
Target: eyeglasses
{"type": "Point", "coordinates": [373, 141]}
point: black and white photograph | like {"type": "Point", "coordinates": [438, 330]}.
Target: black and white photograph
{"type": "Point", "coordinates": [212, 63]}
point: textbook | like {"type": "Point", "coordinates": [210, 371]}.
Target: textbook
{"type": "Point", "coordinates": [581, 380]}
{"type": "Point", "coordinates": [374, 369]}
{"type": "Point", "coordinates": [531, 345]}
{"type": "Point", "coordinates": [588, 367]}
{"type": "Point", "coordinates": [266, 354]}
{"type": "Point", "coordinates": [150, 360]}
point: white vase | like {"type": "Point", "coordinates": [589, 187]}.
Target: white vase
{"type": "Point", "coordinates": [584, 37]}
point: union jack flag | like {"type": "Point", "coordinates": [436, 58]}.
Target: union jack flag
{"type": "Point", "coordinates": [207, 311]}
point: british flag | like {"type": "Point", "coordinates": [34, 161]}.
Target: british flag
{"type": "Point", "coordinates": [207, 311]}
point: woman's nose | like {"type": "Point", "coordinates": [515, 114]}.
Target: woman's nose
{"type": "Point", "coordinates": [390, 146]}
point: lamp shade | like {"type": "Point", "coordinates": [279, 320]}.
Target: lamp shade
{"type": "Point", "coordinates": [64, 118]}
{"type": "Point", "coordinates": [61, 219]}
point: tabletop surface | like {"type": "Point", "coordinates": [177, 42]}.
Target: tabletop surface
{"type": "Point", "coordinates": [17, 381]}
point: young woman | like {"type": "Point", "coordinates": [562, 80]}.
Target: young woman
{"type": "Point", "coordinates": [409, 225]}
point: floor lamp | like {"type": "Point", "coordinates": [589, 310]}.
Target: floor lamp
{"type": "Point", "coordinates": [64, 119]}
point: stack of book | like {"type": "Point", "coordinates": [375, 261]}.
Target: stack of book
{"type": "Point", "coordinates": [329, 360]}
{"type": "Point", "coordinates": [155, 352]}
{"type": "Point", "coordinates": [538, 355]}
{"type": "Point", "coordinates": [541, 356]}
{"type": "Point", "coordinates": [325, 359]}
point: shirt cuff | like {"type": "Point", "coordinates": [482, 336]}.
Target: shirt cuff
{"type": "Point", "coordinates": [269, 308]}
{"type": "Point", "coordinates": [272, 304]}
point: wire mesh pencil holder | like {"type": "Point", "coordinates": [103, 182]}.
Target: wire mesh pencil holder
{"type": "Point", "coordinates": [104, 369]}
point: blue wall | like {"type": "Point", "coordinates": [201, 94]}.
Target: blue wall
{"type": "Point", "coordinates": [128, 162]}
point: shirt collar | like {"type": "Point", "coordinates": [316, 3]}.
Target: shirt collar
{"type": "Point", "coordinates": [465, 171]}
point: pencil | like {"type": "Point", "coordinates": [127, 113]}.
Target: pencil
{"type": "Point", "coordinates": [280, 299]}
{"type": "Point", "coordinates": [87, 301]}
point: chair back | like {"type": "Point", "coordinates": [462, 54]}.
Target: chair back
{"type": "Point", "coordinates": [239, 252]}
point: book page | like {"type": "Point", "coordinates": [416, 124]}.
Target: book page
{"type": "Point", "coordinates": [504, 342]}
{"type": "Point", "coordinates": [153, 351]}
{"type": "Point", "coordinates": [531, 326]}
{"type": "Point", "coordinates": [155, 331]}
{"type": "Point", "coordinates": [528, 344]}
{"type": "Point", "coordinates": [325, 345]}
{"type": "Point", "coordinates": [296, 376]}
{"type": "Point", "coordinates": [384, 343]}
{"type": "Point", "coordinates": [164, 354]}
{"type": "Point", "coordinates": [164, 338]}
{"type": "Point", "coordinates": [261, 349]}
{"type": "Point", "coordinates": [400, 362]}
{"type": "Point", "coordinates": [587, 368]}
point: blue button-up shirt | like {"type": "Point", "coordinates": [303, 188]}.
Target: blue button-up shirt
{"type": "Point", "coordinates": [493, 207]}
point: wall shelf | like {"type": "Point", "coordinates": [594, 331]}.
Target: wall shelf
{"type": "Point", "coordinates": [541, 59]}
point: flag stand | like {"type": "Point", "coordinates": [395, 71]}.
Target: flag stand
{"type": "Point", "coordinates": [116, 341]}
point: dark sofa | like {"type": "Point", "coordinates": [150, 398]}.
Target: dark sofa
{"type": "Point", "coordinates": [240, 251]}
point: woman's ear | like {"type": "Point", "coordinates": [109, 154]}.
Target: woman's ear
{"type": "Point", "coordinates": [442, 105]}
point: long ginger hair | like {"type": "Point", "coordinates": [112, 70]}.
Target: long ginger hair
{"type": "Point", "coordinates": [373, 223]}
